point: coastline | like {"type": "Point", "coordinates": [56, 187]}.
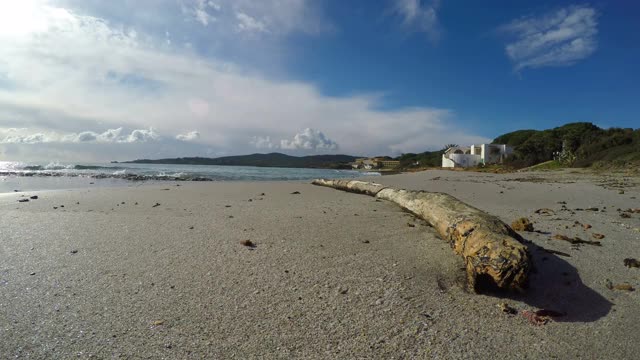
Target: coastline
{"type": "Point", "coordinates": [333, 274]}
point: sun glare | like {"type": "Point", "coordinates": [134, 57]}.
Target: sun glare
{"type": "Point", "coordinates": [21, 17]}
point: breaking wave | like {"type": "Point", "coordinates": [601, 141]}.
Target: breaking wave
{"type": "Point", "coordinates": [161, 172]}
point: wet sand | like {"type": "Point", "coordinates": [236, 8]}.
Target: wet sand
{"type": "Point", "coordinates": [332, 274]}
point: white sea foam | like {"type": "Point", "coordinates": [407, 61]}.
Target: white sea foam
{"type": "Point", "coordinates": [57, 166]}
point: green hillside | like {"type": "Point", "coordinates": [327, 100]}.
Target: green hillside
{"type": "Point", "coordinates": [262, 160]}
{"type": "Point", "coordinates": [576, 144]}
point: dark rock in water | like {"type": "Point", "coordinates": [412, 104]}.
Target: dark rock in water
{"type": "Point", "coordinates": [23, 200]}
{"type": "Point", "coordinates": [34, 197]}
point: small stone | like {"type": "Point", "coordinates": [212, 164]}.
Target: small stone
{"type": "Point", "coordinates": [411, 225]}
{"type": "Point", "coordinates": [343, 290]}
{"type": "Point", "coordinates": [586, 226]}
{"type": "Point", "coordinates": [73, 251]}
{"type": "Point", "coordinates": [156, 205]}
{"type": "Point", "coordinates": [365, 241]}
{"type": "Point", "coordinates": [598, 236]}
{"type": "Point", "coordinates": [507, 309]}
{"type": "Point", "coordinates": [379, 301]}
{"type": "Point", "coordinates": [23, 200]}
{"type": "Point", "coordinates": [620, 192]}
{"type": "Point", "coordinates": [34, 197]}
{"type": "Point", "coordinates": [624, 287]}
{"type": "Point", "coordinates": [33, 273]}
{"type": "Point", "coordinates": [295, 193]}
{"type": "Point", "coordinates": [247, 243]}
{"type": "Point", "coordinates": [625, 215]}
{"type": "Point", "coordinates": [522, 224]}
{"type": "Point", "coordinates": [631, 262]}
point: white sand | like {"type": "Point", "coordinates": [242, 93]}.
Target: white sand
{"type": "Point", "coordinates": [333, 275]}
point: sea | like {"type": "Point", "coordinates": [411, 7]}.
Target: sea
{"type": "Point", "coordinates": [21, 176]}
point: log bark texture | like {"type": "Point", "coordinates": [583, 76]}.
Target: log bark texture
{"type": "Point", "coordinates": [491, 250]}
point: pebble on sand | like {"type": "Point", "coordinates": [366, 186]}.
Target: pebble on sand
{"type": "Point", "coordinates": [522, 224]}
{"type": "Point", "coordinates": [247, 243]}
{"type": "Point", "coordinates": [631, 262]}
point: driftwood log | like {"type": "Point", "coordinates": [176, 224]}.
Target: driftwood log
{"type": "Point", "coordinates": [493, 255]}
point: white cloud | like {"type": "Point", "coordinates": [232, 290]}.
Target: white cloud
{"type": "Point", "coordinates": [278, 17]}
{"type": "Point", "coordinates": [309, 139]}
{"type": "Point", "coordinates": [560, 38]}
{"type": "Point", "coordinates": [25, 139]}
{"type": "Point", "coordinates": [87, 136]}
{"type": "Point", "coordinates": [249, 24]}
{"type": "Point", "coordinates": [75, 76]}
{"type": "Point", "coordinates": [190, 136]}
{"type": "Point", "coordinates": [262, 142]}
{"type": "Point", "coordinates": [142, 136]}
{"type": "Point", "coordinates": [27, 136]}
{"type": "Point", "coordinates": [419, 16]}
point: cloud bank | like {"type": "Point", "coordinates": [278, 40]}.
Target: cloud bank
{"type": "Point", "coordinates": [74, 78]}
{"type": "Point", "coordinates": [560, 38]}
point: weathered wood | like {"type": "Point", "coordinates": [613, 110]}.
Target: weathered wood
{"type": "Point", "coordinates": [355, 186]}
{"type": "Point", "coordinates": [491, 251]}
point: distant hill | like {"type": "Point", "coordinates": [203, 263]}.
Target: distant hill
{"type": "Point", "coordinates": [579, 144]}
{"type": "Point", "coordinates": [262, 160]}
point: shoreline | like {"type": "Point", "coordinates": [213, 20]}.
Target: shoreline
{"type": "Point", "coordinates": [332, 274]}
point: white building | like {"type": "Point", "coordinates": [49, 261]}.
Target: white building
{"type": "Point", "coordinates": [474, 155]}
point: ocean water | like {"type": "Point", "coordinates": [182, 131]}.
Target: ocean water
{"type": "Point", "coordinates": [51, 176]}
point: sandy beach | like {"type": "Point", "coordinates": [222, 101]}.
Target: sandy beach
{"type": "Point", "coordinates": [159, 272]}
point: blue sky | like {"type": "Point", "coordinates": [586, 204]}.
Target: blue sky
{"type": "Point", "coordinates": [95, 80]}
